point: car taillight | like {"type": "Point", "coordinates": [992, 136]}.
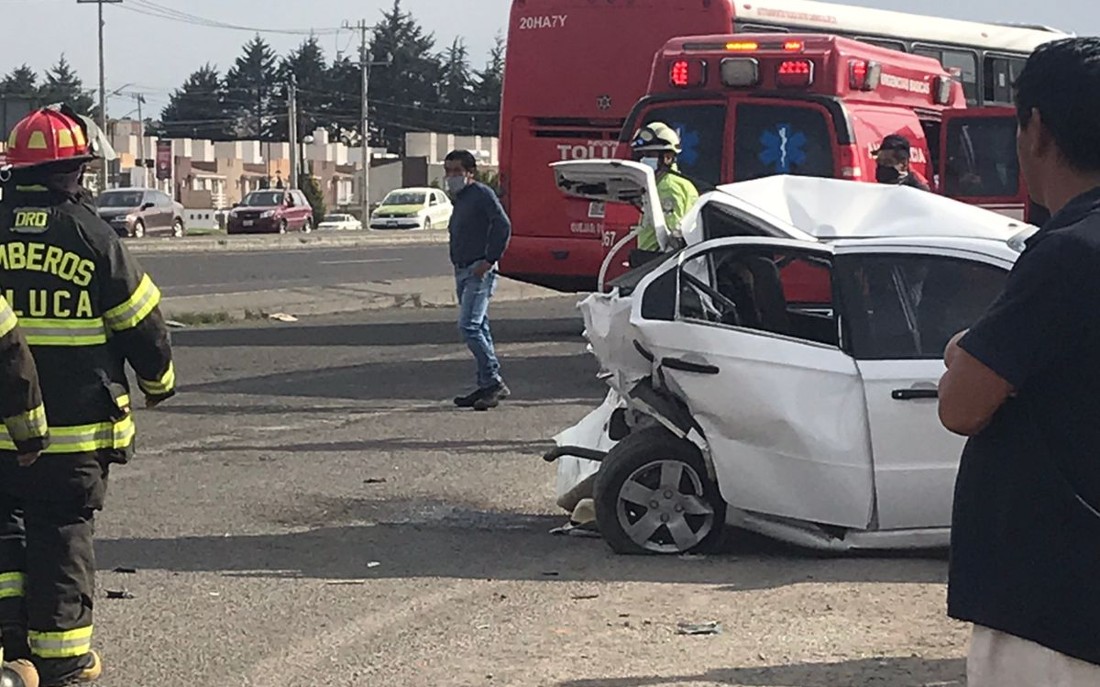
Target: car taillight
{"type": "Point", "coordinates": [794, 73]}
{"type": "Point", "coordinates": [687, 73]}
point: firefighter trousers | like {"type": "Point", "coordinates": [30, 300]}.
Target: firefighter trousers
{"type": "Point", "coordinates": [47, 561]}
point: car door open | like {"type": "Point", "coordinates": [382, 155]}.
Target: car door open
{"type": "Point", "coordinates": [780, 404]}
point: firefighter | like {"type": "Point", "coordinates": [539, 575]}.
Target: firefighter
{"type": "Point", "coordinates": [87, 309]}
{"type": "Point", "coordinates": [25, 420]}
{"type": "Point", "coordinates": [892, 163]}
{"type": "Point", "coordinates": [658, 146]}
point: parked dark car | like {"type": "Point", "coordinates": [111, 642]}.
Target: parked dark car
{"type": "Point", "coordinates": [138, 212]}
{"type": "Point", "coordinates": [271, 212]}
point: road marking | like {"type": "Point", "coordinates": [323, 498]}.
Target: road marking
{"type": "Point", "coordinates": [357, 262]}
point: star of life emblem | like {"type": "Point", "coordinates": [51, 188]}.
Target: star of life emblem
{"type": "Point", "coordinates": [603, 102]}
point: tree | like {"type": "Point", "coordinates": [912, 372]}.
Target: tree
{"type": "Point", "coordinates": [311, 187]}
{"type": "Point", "coordinates": [456, 88]}
{"type": "Point", "coordinates": [403, 94]}
{"type": "Point", "coordinates": [489, 83]}
{"type": "Point", "coordinates": [343, 114]}
{"type": "Point", "coordinates": [197, 109]}
{"type": "Point", "coordinates": [307, 66]}
{"type": "Point", "coordinates": [21, 82]}
{"type": "Point", "coordinates": [250, 91]}
{"type": "Point", "coordinates": [63, 85]}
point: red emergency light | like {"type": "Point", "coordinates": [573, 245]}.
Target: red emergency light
{"type": "Point", "coordinates": [864, 75]}
{"type": "Point", "coordinates": [687, 73]}
{"type": "Point", "coordinates": [794, 74]}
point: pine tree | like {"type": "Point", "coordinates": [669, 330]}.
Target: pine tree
{"type": "Point", "coordinates": [311, 188]}
{"type": "Point", "coordinates": [250, 90]}
{"type": "Point", "coordinates": [489, 84]}
{"type": "Point", "coordinates": [197, 109]}
{"type": "Point", "coordinates": [342, 110]}
{"type": "Point", "coordinates": [404, 96]}
{"type": "Point", "coordinates": [63, 85]}
{"type": "Point", "coordinates": [21, 82]}
{"type": "Point", "coordinates": [309, 69]}
{"type": "Point", "coordinates": [456, 88]}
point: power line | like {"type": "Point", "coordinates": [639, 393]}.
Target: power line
{"type": "Point", "coordinates": [152, 9]}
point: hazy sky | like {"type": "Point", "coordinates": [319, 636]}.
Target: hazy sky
{"type": "Point", "coordinates": [157, 54]}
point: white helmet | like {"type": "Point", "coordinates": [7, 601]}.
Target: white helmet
{"type": "Point", "coordinates": [656, 137]}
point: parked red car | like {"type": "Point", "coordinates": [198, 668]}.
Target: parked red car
{"type": "Point", "coordinates": [271, 211]}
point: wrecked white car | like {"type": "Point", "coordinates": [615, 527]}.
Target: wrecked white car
{"type": "Point", "coordinates": [779, 372]}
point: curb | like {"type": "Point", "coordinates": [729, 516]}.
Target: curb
{"type": "Point", "coordinates": [231, 244]}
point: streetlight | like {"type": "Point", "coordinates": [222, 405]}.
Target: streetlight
{"type": "Point", "coordinates": [140, 99]}
{"type": "Point", "coordinates": [307, 168]}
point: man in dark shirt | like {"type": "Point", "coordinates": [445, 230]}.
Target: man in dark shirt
{"type": "Point", "coordinates": [479, 231]}
{"type": "Point", "coordinates": [1024, 384]}
{"type": "Point", "coordinates": [892, 163]}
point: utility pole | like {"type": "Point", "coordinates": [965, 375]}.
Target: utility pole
{"type": "Point", "coordinates": [102, 84]}
{"type": "Point", "coordinates": [141, 140]}
{"type": "Point", "coordinates": [364, 103]}
{"type": "Point", "coordinates": [292, 128]}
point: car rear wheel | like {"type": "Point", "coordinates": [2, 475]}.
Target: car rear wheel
{"type": "Point", "coordinates": [653, 496]}
{"type": "Point", "coordinates": [177, 228]}
{"type": "Point", "coordinates": [139, 230]}
{"type": "Point", "coordinates": [308, 226]}
{"type": "Point", "coordinates": [282, 226]}
{"type": "Point", "coordinates": [427, 224]}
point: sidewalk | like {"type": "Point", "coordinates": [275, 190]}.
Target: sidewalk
{"type": "Point", "coordinates": [277, 242]}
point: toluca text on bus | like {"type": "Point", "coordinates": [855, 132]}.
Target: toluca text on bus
{"type": "Point", "coordinates": [576, 68]}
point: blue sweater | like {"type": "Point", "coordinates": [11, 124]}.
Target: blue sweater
{"type": "Point", "coordinates": [479, 228]}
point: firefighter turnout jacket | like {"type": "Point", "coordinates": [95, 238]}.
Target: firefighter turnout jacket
{"type": "Point", "coordinates": [20, 397]}
{"type": "Point", "coordinates": [86, 308]}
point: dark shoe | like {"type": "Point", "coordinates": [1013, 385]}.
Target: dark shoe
{"type": "Point", "coordinates": [492, 397]}
{"type": "Point", "coordinates": [469, 400]}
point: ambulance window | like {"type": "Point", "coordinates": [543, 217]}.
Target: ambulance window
{"type": "Point", "coordinates": [981, 158]}
{"type": "Point", "coordinates": [701, 128]}
{"type": "Point", "coordinates": [781, 139]}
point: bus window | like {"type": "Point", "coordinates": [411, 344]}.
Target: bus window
{"type": "Point", "coordinates": [701, 129]}
{"type": "Point", "coordinates": [962, 63]}
{"type": "Point", "coordinates": [781, 139]}
{"type": "Point", "coordinates": [981, 158]}
{"type": "Point", "coordinates": [883, 43]}
{"type": "Point", "coordinates": [742, 27]}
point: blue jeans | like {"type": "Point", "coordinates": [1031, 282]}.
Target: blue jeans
{"type": "Point", "coordinates": [474, 294]}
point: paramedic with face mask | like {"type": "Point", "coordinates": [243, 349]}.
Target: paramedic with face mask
{"type": "Point", "coordinates": [657, 145]}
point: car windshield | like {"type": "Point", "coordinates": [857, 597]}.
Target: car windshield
{"type": "Point", "coordinates": [126, 199]}
{"type": "Point", "coordinates": [265, 199]}
{"type": "Point", "coordinates": [404, 198]}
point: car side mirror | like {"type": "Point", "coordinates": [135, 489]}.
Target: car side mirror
{"type": "Point", "coordinates": [146, 206]}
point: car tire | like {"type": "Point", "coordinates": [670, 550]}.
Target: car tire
{"type": "Point", "coordinates": [427, 226]}
{"type": "Point", "coordinates": [282, 226]}
{"type": "Point", "coordinates": [177, 228]}
{"type": "Point", "coordinates": [684, 517]}
{"type": "Point", "coordinates": [308, 226]}
{"type": "Point", "coordinates": [138, 230]}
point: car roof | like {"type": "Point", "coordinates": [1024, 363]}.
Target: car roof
{"type": "Point", "coordinates": [128, 189]}
{"type": "Point", "coordinates": [418, 189]}
{"type": "Point", "coordinates": [832, 209]}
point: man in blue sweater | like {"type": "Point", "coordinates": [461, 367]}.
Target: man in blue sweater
{"type": "Point", "coordinates": [479, 233]}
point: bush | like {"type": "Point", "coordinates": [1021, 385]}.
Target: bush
{"type": "Point", "coordinates": [312, 189]}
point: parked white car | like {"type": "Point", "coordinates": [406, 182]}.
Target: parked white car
{"type": "Point", "coordinates": [779, 373]}
{"type": "Point", "coordinates": [340, 222]}
{"type": "Point", "coordinates": [413, 208]}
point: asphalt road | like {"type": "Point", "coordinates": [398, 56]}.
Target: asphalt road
{"type": "Point", "coordinates": [200, 273]}
{"type": "Point", "coordinates": [312, 511]}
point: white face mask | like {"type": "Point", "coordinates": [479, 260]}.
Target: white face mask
{"type": "Point", "coordinates": [455, 184]}
{"type": "Point", "coordinates": [651, 162]}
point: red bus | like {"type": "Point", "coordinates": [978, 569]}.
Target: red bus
{"type": "Point", "coordinates": [575, 69]}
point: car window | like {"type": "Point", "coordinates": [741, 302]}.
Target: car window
{"type": "Point", "coordinates": [787, 292]}
{"type": "Point", "coordinates": [120, 199]}
{"type": "Point", "coordinates": [781, 139]}
{"type": "Point", "coordinates": [909, 306]}
{"type": "Point", "coordinates": [162, 200]}
{"type": "Point", "coordinates": [404, 198]}
{"type": "Point", "coordinates": [433, 200]}
{"type": "Point", "coordinates": [981, 158]}
{"type": "Point", "coordinates": [263, 199]}
{"type": "Point", "coordinates": [701, 129]}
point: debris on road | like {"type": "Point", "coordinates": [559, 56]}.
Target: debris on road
{"type": "Point", "coordinates": [585, 597]}
{"type": "Point", "coordinates": [375, 480]}
{"type": "Point", "coordinates": [176, 324]}
{"type": "Point", "coordinates": [282, 317]}
{"type": "Point", "coordinates": [711, 628]}
{"type": "Point", "coordinates": [125, 571]}
{"type": "Point", "coordinates": [373, 564]}
{"type": "Point", "coordinates": [550, 573]}
{"type": "Point", "coordinates": [119, 594]}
